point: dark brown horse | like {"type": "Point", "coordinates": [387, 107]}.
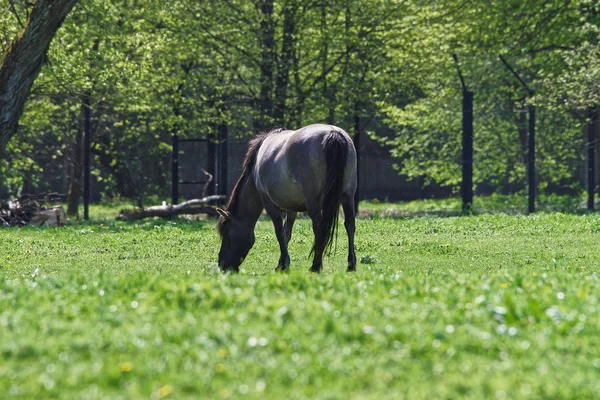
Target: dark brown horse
{"type": "Point", "coordinates": [310, 170]}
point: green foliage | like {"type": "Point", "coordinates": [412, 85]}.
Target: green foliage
{"type": "Point", "coordinates": [495, 203]}
{"type": "Point", "coordinates": [154, 68]}
{"type": "Point", "coordinates": [552, 47]}
{"type": "Point", "coordinates": [427, 141]}
{"type": "Point", "coordinates": [470, 307]}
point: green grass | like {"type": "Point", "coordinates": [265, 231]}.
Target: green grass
{"type": "Point", "coordinates": [484, 306]}
{"type": "Point", "coordinates": [513, 204]}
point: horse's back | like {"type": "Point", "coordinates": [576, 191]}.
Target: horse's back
{"type": "Point", "coordinates": [307, 158]}
{"type": "Point", "coordinates": [291, 166]}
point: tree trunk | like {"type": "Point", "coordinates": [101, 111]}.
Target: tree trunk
{"type": "Point", "coordinates": [296, 113]}
{"type": "Point", "coordinates": [327, 91]}
{"type": "Point", "coordinates": [265, 104]}
{"type": "Point", "coordinates": [76, 179]}
{"type": "Point", "coordinates": [23, 61]}
{"type": "Point", "coordinates": [285, 62]}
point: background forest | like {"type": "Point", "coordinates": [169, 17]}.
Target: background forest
{"type": "Point", "coordinates": [151, 68]}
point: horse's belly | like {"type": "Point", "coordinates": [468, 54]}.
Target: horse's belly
{"type": "Point", "coordinates": [281, 189]}
{"type": "Point", "coordinates": [288, 197]}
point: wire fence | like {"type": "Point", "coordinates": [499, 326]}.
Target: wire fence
{"type": "Point", "coordinates": [141, 171]}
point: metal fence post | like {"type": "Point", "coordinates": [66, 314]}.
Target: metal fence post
{"type": "Point", "coordinates": [211, 162]}
{"type": "Point", "coordinates": [87, 144]}
{"type": "Point", "coordinates": [591, 131]}
{"type": "Point", "coordinates": [356, 140]}
{"type": "Point", "coordinates": [175, 170]}
{"type": "Point", "coordinates": [222, 159]}
{"type": "Point", "coordinates": [467, 150]}
{"type": "Point", "coordinates": [531, 159]}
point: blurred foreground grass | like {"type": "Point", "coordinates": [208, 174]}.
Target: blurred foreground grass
{"type": "Point", "coordinates": [481, 306]}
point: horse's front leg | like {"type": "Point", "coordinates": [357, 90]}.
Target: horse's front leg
{"type": "Point", "coordinates": [276, 216]}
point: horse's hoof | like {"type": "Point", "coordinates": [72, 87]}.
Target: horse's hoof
{"type": "Point", "coordinates": [351, 268]}
{"type": "Point", "coordinates": [282, 268]}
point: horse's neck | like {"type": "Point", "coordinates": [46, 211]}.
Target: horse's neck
{"type": "Point", "coordinates": [249, 203]}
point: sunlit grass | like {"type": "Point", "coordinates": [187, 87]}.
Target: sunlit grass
{"type": "Point", "coordinates": [495, 203]}
{"type": "Point", "coordinates": [483, 306]}
{"type": "Point", "coordinates": [511, 204]}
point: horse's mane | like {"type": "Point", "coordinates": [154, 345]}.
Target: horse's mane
{"type": "Point", "coordinates": [247, 167]}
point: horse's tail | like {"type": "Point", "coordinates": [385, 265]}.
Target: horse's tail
{"type": "Point", "coordinates": [336, 155]}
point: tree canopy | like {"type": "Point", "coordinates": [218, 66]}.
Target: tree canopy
{"type": "Point", "coordinates": [151, 68]}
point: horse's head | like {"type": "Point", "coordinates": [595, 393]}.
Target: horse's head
{"type": "Point", "coordinates": [237, 238]}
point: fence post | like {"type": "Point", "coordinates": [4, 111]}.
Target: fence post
{"type": "Point", "coordinates": [356, 140]}
{"type": "Point", "coordinates": [87, 144]}
{"type": "Point", "coordinates": [531, 159]}
{"type": "Point", "coordinates": [530, 140]}
{"type": "Point", "coordinates": [211, 161]}
{"type": "Point", "coordinates": [222, 150]}
{"type": "Point", "coordinates": [467, 150]}
{"type": "Point", "coordinates": [466, 186]}
{"type": "Point", "coordinates": [591, 131]}
{"type": "Point", "coordinates": [175, 170]}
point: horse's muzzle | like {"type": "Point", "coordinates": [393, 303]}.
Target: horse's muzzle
{"type": "Point", "coordinates": [229, 268]}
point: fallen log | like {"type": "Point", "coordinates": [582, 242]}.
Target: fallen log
{"type": "Point", "coordinates": [206, 205]}
{"type": "Point", "coordinates": [52, 216]}
{"type": "Point", "coordinates": [27, 210]}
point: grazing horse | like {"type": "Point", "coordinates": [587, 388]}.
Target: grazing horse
{"type": "Point", "coordinates": [310, 170]}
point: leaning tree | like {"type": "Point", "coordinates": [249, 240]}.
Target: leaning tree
{"type": "Point", "coordinates": [23, 59]}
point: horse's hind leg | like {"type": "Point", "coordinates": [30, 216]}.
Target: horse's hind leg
{"type": "Point", "coordinates": [276, 216]}
{"type": "Point", "coordinates": [349, 223]}
{"type": "Point", "coordinates": [319, 247]}
{"type": "Point", "coordinates": [289, 224]}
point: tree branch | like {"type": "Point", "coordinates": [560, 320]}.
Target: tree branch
{"type": "Point", "coordinates": [529, 90]}
{"type": "Point", "coordinates": [551, 47]}
{"type": "Point", "coordinates": [14, 11]}
{"type": "Point", "coordinates": [460, 75]}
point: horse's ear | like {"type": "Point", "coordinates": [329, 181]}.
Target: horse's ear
{"type": "Point", "coordinates": [223, 213]}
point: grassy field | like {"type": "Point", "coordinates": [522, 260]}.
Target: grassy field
{"type": "Point", "coordinates": [484, 306]}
